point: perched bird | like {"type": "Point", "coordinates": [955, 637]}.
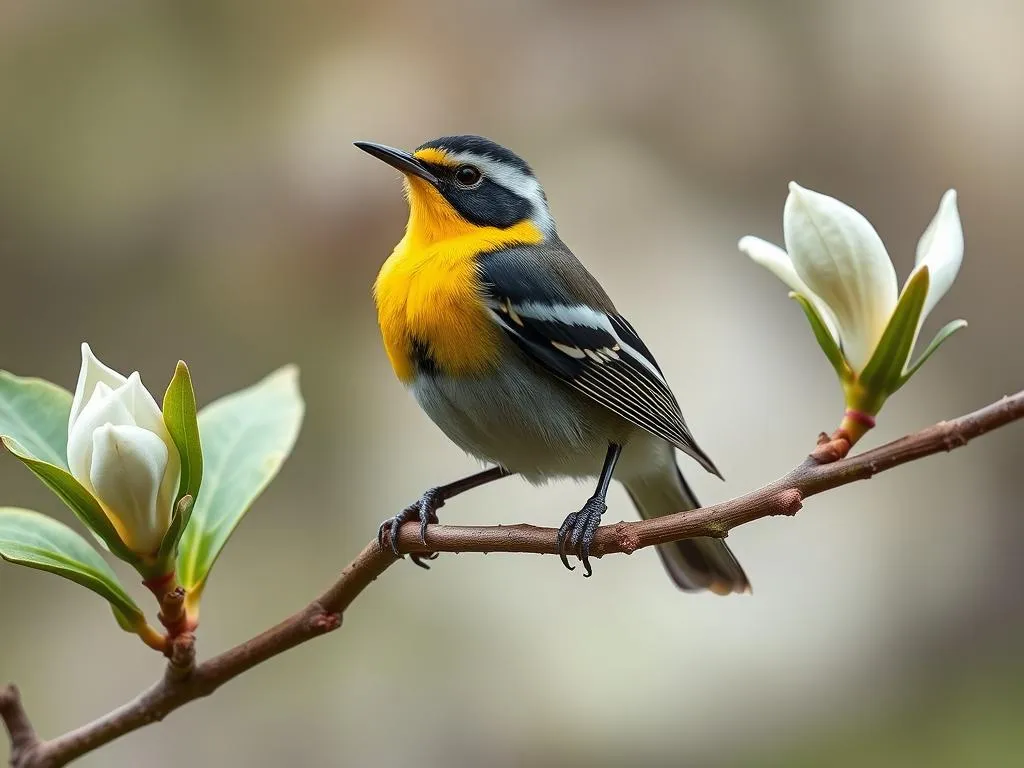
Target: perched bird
{"type": "Point", "coordinates": [516, 352]}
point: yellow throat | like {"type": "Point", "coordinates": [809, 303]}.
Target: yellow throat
{"type": "Point", "coordinates": [428, 293]}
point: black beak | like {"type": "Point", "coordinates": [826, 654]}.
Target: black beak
{"type": "Point", "coordinates": [399, 159]}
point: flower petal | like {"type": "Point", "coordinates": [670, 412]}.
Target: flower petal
{"type": "Point", "coordinates": [103, 408]}
{"type": "Point", "coordinates": [147, 414]}
{"type": "Point", "coordinates": [140, 403]}
{"type": "Point", "coordinates": [127, 470]}
{"type": "Point", "coordinates": [941, 248]}
{"type": "Point", "coordinates": [91, 373]}
{"type": "Point", "coordinates": [840, 256]}
{"type": "Point", "coordinates": [777, 261]}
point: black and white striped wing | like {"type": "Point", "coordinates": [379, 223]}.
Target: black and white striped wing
{"type": "Point", "coordinates": [601, 356]}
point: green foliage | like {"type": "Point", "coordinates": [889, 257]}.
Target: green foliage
{"type": "Point", "coordinates": [237, 445]}
{"type": "Point", "coordinates": [884, 371]}
{"type": "Point", "coordinates": [246, 436]}
{"type": "Point", "coordinates": [167, 553]}
{"type": "Point", "coordinates": [33, 427]}
{"type": "Point", "coordinates": [37, 541]}
{"type": "Point", "coordinates": [35, 413]}
{"type": "Point", "coordinates": [944, 333]}
{"type": "Point", "coordinates": [824, 337]}
{"type": "Point", "coordinates": [179, 410]}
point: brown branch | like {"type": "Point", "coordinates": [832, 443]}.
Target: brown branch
{"type": "Point", "coordinates": [22, 735]}
{"type": "Point", "coordinates": [783, 497]}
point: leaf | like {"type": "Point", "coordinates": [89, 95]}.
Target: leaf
{"type": "Point", "coordinates": [944, 333]}
{"type": "Point", "coordinates": [35, 413]}
{"type": "Point", "coordinates": [75, 495]}
{"type": "Point", "coordinates": [180, 417]}
{"type": "Point", "coordinates": [34, 427]}
{"type": "Point", "coordinates": [825, 339]}
{"type": "Point", "coordinates": [37, 541]}
{"type": "Point", "coordinates": [246, 437]}
{"type": "Point", "coordinates": [884, 370]}
{"type": "Point", "coordinates": [179, 521]}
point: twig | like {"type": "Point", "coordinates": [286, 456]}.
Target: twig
{"type": "Point", "coordinates": [783, 497]}
{"type": "Point", "coordinates": [24, 741]}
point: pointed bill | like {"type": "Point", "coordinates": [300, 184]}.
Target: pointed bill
{"type": "Point", "coordinates": [841, 258]}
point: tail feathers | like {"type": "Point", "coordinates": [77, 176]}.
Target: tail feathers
{"type": "Point", "coordinates": [694, 564]}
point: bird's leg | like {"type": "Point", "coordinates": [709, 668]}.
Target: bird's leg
{"type": "Point", "coordinates": [425, 509]}
{"type": "Point", "coordinates": [580, 527]}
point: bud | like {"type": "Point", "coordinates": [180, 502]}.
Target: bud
{"type": "Point", "coordinates": [839, 271]}
{"type": "Point", "coordinates": [120, 450]}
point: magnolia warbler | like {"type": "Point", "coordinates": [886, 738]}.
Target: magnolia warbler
{"type": "Point", "coordinates": [516, 352]}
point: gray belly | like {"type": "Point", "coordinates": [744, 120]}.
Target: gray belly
{"type": "Point", "coordinates": [533, 425]}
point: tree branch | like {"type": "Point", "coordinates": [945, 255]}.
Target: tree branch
{"type": "Point", "coordinates": [782, 497]}
{"type": "Point", "coordinates": [19, 729]}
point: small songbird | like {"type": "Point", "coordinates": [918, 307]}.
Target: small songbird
{"type": "Point", "coordinates": [516, 352]}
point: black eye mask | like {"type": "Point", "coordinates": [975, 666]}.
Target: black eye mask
{"type": "Point", "coordinates": [487, 205]}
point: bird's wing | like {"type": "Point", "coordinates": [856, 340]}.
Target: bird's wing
{"type": "Point", "coordinates": [558, 314]}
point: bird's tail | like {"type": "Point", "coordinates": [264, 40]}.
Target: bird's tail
{"type": "Point", "coordinates": [693, 564]}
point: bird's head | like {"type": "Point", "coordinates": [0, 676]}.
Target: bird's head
{"type": "Point", "coordinates": [459, 184]}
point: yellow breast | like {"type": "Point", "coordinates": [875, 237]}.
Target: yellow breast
{"type": "Point", "coordinates": [429, 300]}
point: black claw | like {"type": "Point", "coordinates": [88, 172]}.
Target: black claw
{"type": "Point", "coordinates": [418, 558]}
{"type": "Point", "coordinates": [560, 539]}
{"type": "Point", "coordinates": [579, 529]}
{"type": "Point", "coordinates": [589, 533]}
{"type": "Point", "coordinates": [425, 511]}
{"type": "Point", "coordinates": [396, 524]}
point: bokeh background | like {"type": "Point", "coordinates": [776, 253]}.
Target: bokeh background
{"type": "Point", "coordinates": [177, 180]}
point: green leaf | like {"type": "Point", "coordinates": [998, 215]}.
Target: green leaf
{"type": "Point", "coordinates": [75, 495]}
{"type": "Point", "coordinates": [34, 427]}
{"type": "Point", "coordinates": [944, 333]}
{"type": "Point", "coordinates": [35, 413]}
{"type": "Point", "coordinates": [179, 521]}
{"type": "Point", "coordinates": [34, 540]}
{"type": "Point", "coordinates": [824, 336]}
{"type": "Point", "coordinates": [180, 417]}
{"type": "Point", "coordinates": [246, 437]}
{"type": "Point", "coordinates": [884, 370]}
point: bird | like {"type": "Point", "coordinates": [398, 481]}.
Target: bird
{"type": "Point", "coordinates": [515, 351]}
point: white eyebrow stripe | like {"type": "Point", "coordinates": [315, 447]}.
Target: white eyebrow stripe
{"type": "Point", "coordinates": [514, 180]}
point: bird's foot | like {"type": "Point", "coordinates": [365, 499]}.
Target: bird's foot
{"type": "Point", "coordinates": [578, 531]}
{"type": "Point", "coordinates": [424, 510]}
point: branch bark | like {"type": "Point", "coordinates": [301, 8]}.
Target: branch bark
{"type": "Point", "coordinates": [782, 497]}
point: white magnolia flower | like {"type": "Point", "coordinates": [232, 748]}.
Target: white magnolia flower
{"type": "Point", "coordinates": [120, 450]}
{"type": "Point", "coordinates": [837, 267]}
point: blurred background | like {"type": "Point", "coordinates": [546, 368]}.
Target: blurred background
{"type": "Point", "coordinates": [178, 180]}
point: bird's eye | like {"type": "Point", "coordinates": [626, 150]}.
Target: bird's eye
{"type": "Point", "coordinates": [467, 175]}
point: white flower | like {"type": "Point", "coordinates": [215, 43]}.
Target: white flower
{"type": "Point", "coordinates": [836, 265]}
{"type": "Point", "coordinates": [120, 450]}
